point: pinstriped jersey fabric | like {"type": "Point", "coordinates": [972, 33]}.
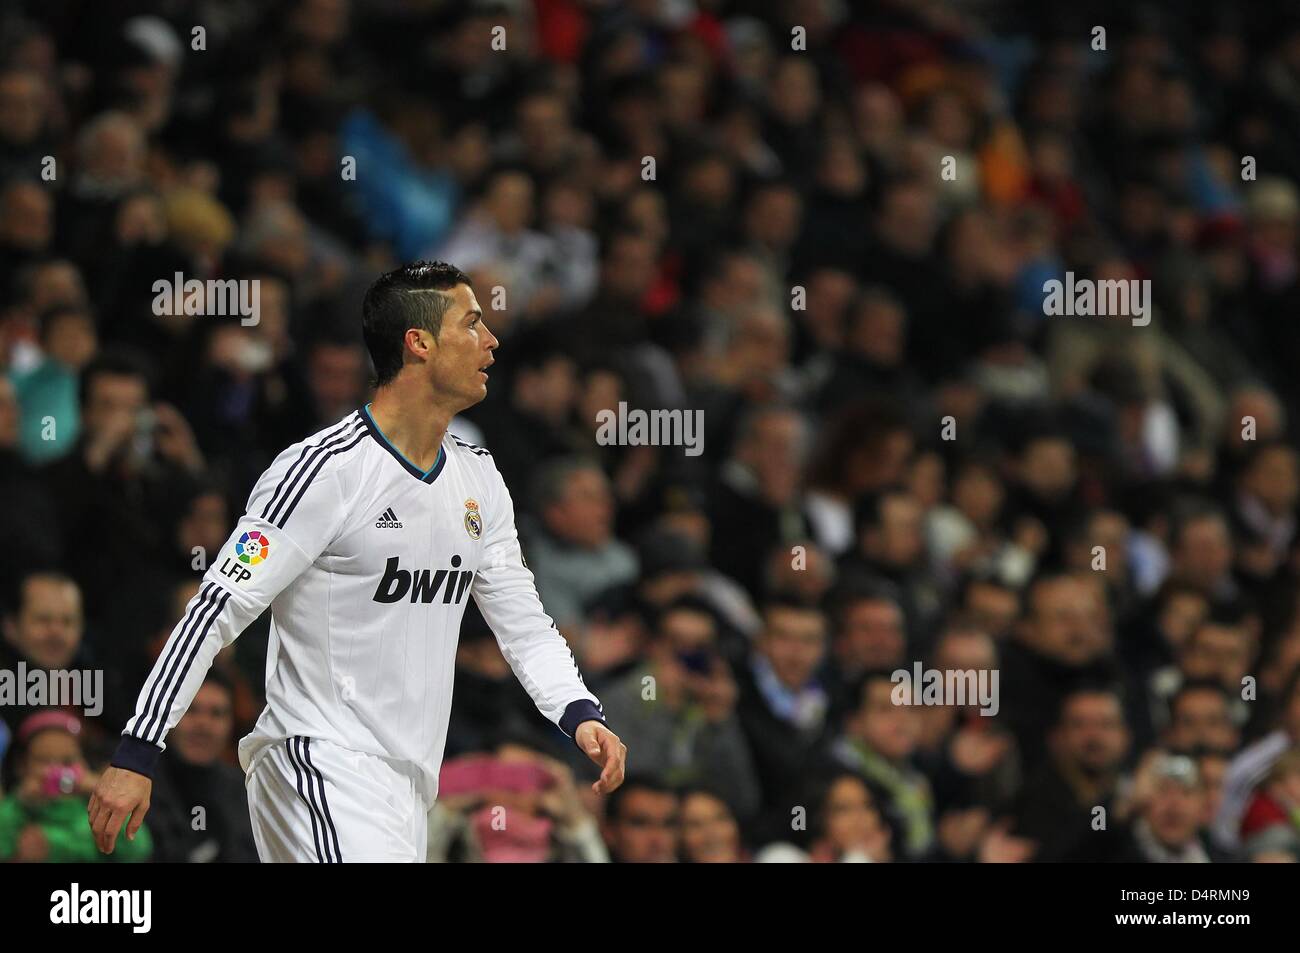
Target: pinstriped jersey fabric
{"type": "Point", "coordinates": [366, 563]}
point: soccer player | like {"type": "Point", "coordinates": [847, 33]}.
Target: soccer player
{"type": "Point", "coordinates": [366, 540]}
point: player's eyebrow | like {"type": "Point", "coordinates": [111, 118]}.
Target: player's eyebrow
{"type": "Point", "coordinates": [478, 312]}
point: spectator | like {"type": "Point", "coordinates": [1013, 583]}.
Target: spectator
{"type": "Point", "coordinates": [680, 709]}
{"type": "Point", "coordinates": [43, 820]}
{"type": "Point", "coordinates": [115, 481]}
{"type": "Point", "coordinates": [24, 499]}
{"type": "Point", "coordinates": [905, 456]}
{"type": "Point", "coordinates": [1253, 763]}
{"type": "Point", "coordinates": [515, 806]}
{"type": "Point", "coordinates": [1272, 819]}
{"type": "Point", "coordinates": [864, 448]}
{"type": "Point", "coordinates": [891, 548]}
{"type": "Point", "coordinates": [846, 827]}
{"type": "Point", "coordinates": [24, 120]}
{"type": "Point", "coordinates": [497, 232]}
{"type": "Point", "coordinates": [1063, 640]}
{"type": "Point", "coordinates": [710, 834]}
{"type": "Point", "coordinates": [1200, 718]}
{"type": "Point", "coordinates": [44, 632]}
{"type": "Point", "coordinates": [641, 823]}
{"type": "Point", "coordinates": [1264, 511]}
{"type": "Point", "coordinates": [1220, 650]}
{"type": "Point", "coordinates": [26, 226]}
{"type": "Point", "coordinates": [1058, 803]}
{"type": "Point", "coordinates": [990, 604]}
{"type": "Point", "coordinates": [757, 498]}
{"type": "Point", "coordinates": [48, 393]}
{"type": "Point", "coordinates": [575, 554]}
{"type": "Point", "coordinates": [536, 424]}
{"type": "Point", "coordinates": [1202, 553]}
{"type": "Point", "coordinates": [967, 534]}
{"type": "Point", "coordinates": [879, 743]}
{"type": "Point", "coordinates": [199, 810]}
{"type": "Point", "coordinates": [784, 706]}
{"type": "Point", "coordinates": [1170, 813]}
{"type": "Point", "coordinates": [867, 635]}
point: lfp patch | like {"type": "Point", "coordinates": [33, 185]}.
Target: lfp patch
{"type": "Point", "coordinates": [253, 548]}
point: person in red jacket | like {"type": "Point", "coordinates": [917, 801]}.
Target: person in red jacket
{"type": "Point", "coordinates": [1274, 811]}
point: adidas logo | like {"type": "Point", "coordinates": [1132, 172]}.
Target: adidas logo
{"type": "Point", "coordinates": [388, 520]}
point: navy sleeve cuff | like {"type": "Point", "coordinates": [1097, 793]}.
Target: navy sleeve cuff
{"type": "Point", "coordinates": [576, 713]}
{"type": "Point", "coordinates": [136, 755]}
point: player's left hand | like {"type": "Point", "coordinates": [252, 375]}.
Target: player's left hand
{"type": "Point", "coordinates": [604, 748]}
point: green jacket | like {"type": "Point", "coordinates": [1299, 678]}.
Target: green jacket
{"type": "Point", "coordinates": [63, 821]}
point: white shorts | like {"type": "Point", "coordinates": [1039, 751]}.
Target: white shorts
{"type": "Point", "coordinates": [311, 801]}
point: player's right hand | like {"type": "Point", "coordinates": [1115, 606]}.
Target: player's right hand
{"type": "Point", "coordinates": [120, 794]}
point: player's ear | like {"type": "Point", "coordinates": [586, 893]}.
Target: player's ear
{"type": "Point", "coordinates": [419, 341]}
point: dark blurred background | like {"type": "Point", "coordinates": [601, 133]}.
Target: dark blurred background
{"type": "Point", "coordinates": [904, 459]}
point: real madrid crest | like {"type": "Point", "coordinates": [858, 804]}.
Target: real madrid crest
{"type": "Point", "coordinates": [473, 521]}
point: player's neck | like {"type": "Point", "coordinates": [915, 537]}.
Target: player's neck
{"type": "Point", "coordinates": [413, 423]}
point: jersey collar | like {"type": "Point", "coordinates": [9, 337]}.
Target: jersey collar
{"type": "Point", "coordinates": [428, 476]}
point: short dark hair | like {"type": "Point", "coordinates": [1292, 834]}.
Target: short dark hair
{"type": "Point", "coordinates": [391, 307]}
{"type": "Point", "coordinates": [862, 685]}
{"type": "Point", "coordinates": [708, 790]}
{"type": "Point", "coordinates": [51, 316]}
{"type": "Point", "coordinates": [114, 362]}
{"type": "Point", "coordinates": [1259, 450]}
{"type": "Point", "coordinates": [1191, 510]}
{"type": "Point", "coordinates": [1089, 686]}
{"type": "Point", "coordinates": [816, 793]}
{"type": "Point", "coordinates": [1193, 685]}
{"type": "Point", "coordinates": [785, 602]}
{"type": "Point", "coordinates": [841, 601]}
{"type": "Point", "coordinates": [686, 603]}
{"type": "Point", "coordinates": [552, 479]}
{"type": "Point", "coordinates": [1172, 588]}
{"type": "Point", "coordinates": [869, 510]}
{"type": "Point", "coordinates": [631, 785]}
{"type": "Point", "coordinates": [1047, 576]}
{"type": "Point", "coordinates": [865, 427]}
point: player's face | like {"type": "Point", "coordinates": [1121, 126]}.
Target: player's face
{"type": "Point", "coordinates": [464, 349]}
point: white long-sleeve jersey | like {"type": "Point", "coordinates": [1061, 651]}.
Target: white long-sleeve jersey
{"type": "Point", "coordinates": [366, 563]}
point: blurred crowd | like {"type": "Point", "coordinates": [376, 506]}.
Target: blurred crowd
{"type": "Point", "coordinates": [700, 205]}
